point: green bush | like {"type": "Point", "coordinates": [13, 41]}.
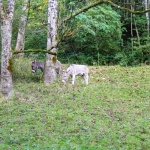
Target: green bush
{"type": "Point", "coordinates": [22, 71]}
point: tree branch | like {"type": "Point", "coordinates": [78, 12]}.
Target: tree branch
{"type": "Point", "coordinates": [127, 9]}
{"type": "Point", "coordinates": [83, 10]}
{"type": "Point", "coordinates": [99, 3]}
{"type": "Point", "coordinates": [35, 51]}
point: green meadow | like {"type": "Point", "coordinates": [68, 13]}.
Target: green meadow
{"type": "Point", "coordinates": [111, 113]}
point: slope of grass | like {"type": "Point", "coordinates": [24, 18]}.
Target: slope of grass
{"type": "Point", "coordinates": [112, 112]}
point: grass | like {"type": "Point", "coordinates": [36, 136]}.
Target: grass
{"type": "Point", "coordinates": [111, 113]}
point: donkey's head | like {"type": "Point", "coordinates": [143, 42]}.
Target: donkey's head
{"type": "Point", "coordinates": [65, 75]}
{"type": "Point", "coordinates": [34, 66]}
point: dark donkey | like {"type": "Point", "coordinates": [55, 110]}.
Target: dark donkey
{"type": "Point", "coordinates": [40, 65]}
{"type": "Point", "coordinates": [37, 65]}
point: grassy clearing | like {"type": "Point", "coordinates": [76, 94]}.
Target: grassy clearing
{"type": "Point", "coordinates": [112, 112]}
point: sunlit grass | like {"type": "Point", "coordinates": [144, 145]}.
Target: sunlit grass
{"type": "Point", "coordinates": [112, 112]}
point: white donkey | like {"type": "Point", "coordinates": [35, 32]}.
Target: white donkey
{"type": "Point", "coordinates": [73, 70]}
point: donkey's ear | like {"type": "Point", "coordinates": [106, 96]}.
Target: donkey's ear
{"type": "Point", "coordinates": [33, 61]}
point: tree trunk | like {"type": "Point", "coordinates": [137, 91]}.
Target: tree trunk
{"type": "Point", "coordinates": [131, 28]}
{"type": "Point", "coordinates": [146, 2]}
{"type": "Point", "coordinates": [137, 32]}
{"type": "Point", "coordinates": [49, 72]}
{"type": "Point", "coordinates": [21, 31]}
{"type": "Point", "coordinates": [6, 34]}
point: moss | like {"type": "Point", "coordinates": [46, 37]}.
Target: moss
{"type": "Point", "coordinates": [35, 51]}
{"type": "Point", "coordinates": [54, 59]}
{"type": "Point", "coordinates": [57, 38]}
{"type": "Point", "coordinates": [10, 65]}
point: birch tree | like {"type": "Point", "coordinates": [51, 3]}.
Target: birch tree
{"type": "Point", "coordinates": [146, 3]}
{"type": "Point", "coordinates": [50, 73]}
{"type": "Point", "coordinates": [21, 30]}
{"type": "Point", "coordinates": [6, 15]}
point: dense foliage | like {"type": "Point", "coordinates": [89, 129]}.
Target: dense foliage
{"type": "Point", "coordinates": [94, 35]}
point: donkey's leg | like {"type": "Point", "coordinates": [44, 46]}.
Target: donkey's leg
{"type": "Point", "coordinates": [85, 78]}
{"type": "Point", "coordinates": [73, 78]}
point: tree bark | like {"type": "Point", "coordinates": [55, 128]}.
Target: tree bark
{"type": "Point", "coordinates": [146, 2]}
{"type": "Point", "coordinates": [21, 31]}
{"type": "Point", "coordinates": [132, 42]}
{"type": "Point", "coordinates": [137, 32]}
{"type": "Point", "coordinates": [34, 51]}
{"type": "Point", "coordinates": [49, 72]}
{"type": "Point", "coordinates": [6, 34]}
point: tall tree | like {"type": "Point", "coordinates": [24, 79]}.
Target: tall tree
{"type": "Point", "coordinates": [50, 73]}
{"type": "Point", "coordinates": [6, 14]}
{"type": "Point", "coordinates": [146, 2]}
{"type": "Point", "coordinates": [22, 26]}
